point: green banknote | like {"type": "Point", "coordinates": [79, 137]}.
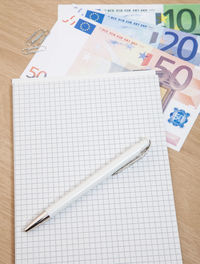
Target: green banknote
{"type": "Point", "coordinates": [181, 17]}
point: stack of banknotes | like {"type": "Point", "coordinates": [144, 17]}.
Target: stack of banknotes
{"type": "Point", "coordinates": [96, 39]}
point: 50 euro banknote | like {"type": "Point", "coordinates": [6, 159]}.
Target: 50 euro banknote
{"type": "Point", "coordinates": [184, 45]}
{"type": "Point", "coordinates": [85, 48]}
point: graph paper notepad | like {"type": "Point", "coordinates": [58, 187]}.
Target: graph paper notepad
{"type": "Point", "coordinates": [64, 130]}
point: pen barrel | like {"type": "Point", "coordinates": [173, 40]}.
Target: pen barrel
{"type": "Point", "coordinates": [109, 169]}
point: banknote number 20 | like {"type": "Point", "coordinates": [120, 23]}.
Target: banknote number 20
{"type": "Point", "coordinates": [181, 44]}
{"type": "Point", "coordinates": [171, 76]}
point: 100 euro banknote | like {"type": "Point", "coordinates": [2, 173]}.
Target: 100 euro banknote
{"type": "Point", "coordinates": [183, 17]}
{"type": "Point", "coordinates": [180, 44]}
{"type": "Point", "coordinates": [86, 48]}
{"type": "Point", "coordinates": [145, 13]}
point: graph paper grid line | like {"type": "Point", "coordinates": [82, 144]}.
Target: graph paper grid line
{"type": "Point", "coordinates": [66, 129]}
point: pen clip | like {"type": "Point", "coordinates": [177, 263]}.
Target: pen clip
{"type": "Point", "coordinates": [139, 156]}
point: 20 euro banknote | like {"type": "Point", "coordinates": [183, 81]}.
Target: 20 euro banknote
{"type": "Point", "coordinates": [86, 48]}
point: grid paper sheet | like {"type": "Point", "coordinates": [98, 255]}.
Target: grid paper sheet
{"type": "Point", "coordinates": [66, 129]}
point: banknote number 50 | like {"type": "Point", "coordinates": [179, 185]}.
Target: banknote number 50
{"type": "Point", "coordinates": [170, 77]}
{"type": "Point", "coordinates": [181, 44]}
{"type": "Point", "coordinates": [36, 73]}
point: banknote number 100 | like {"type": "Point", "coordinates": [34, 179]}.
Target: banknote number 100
{"type": "Point", "coordinates": [170, 77]}
{"type": "Point", "coordinates": [170, 12]}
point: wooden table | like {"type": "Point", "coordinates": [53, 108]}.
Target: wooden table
{"type": "Point", "coordinates": [18, 19]}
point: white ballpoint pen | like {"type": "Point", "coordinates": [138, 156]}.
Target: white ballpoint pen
{"type": "Point", "coordinates": [128, 157]}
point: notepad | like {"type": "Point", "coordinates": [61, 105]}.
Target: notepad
{"type": "Point", "coordinates": [64, 130]}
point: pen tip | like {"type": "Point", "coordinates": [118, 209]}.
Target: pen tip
{"type": "Point", "coordinates": [27, 229]}
{"type": "Point", "coordinates": [37, 221]}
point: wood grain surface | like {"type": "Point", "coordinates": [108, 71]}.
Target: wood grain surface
{"type": "Point", "coordinates": [18, 20]}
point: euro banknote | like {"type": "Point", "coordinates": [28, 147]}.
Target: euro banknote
{"type": "Point", "coordinates": [183, 17]}
{"type": "Point", "coordinates": [184, 45]}
{"type": "Point", "coordinates": [145, 13]}
{"type": "Point", "coordinates": [85, 48]}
